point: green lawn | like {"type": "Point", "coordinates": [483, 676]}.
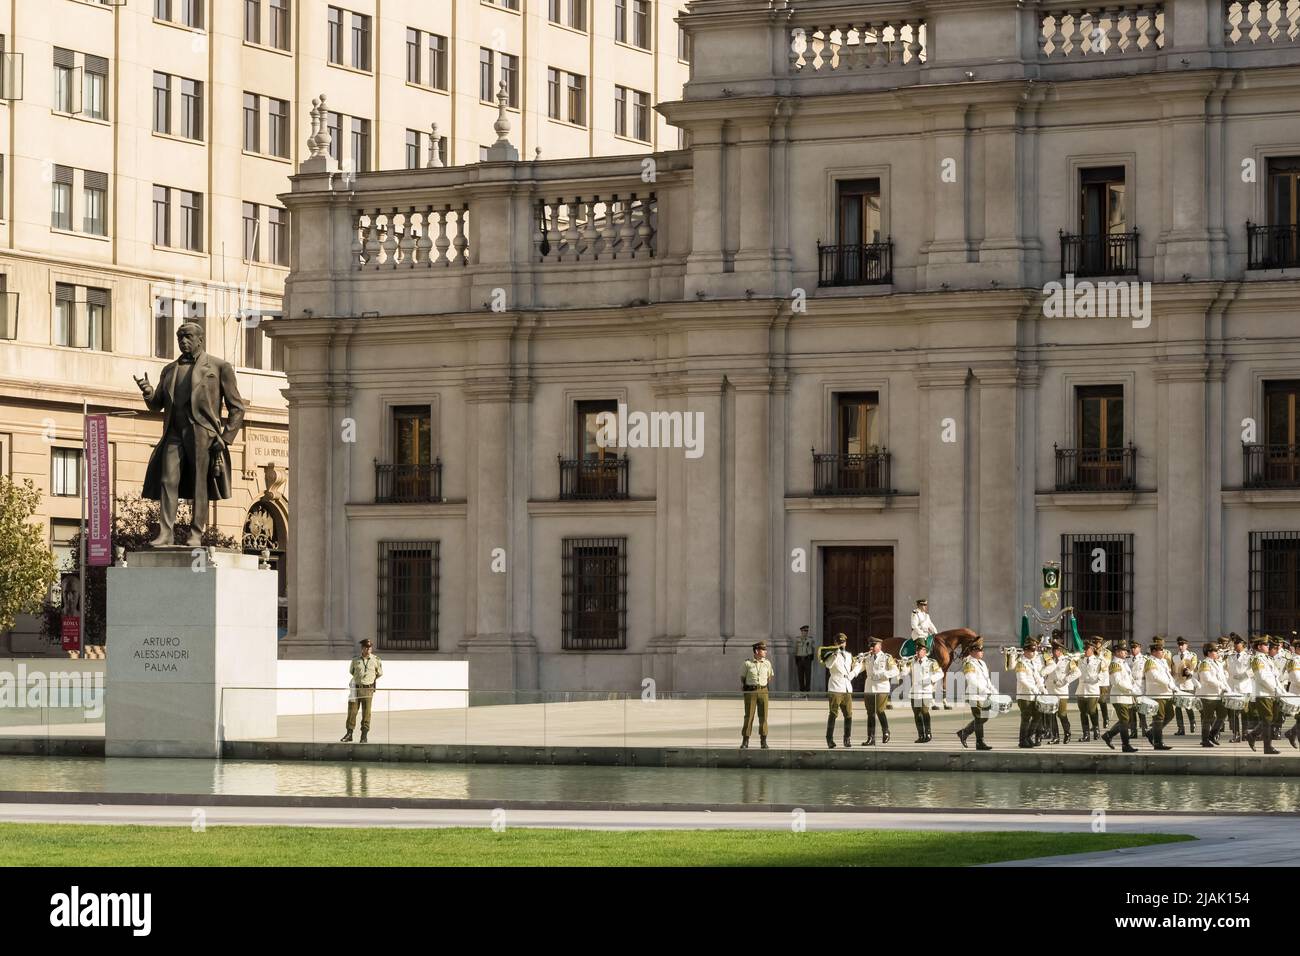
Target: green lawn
{"type": "Point", "coordinates": [102, 845]}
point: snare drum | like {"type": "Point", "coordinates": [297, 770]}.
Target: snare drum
{"type": "Point", "coordinates": [999, 704]}
{"type": "Point", "coordinates": [1147, 707]}
{"type": "Point", "coordinates": [1187, 702]}
{"type": "Point", "coordinates": [1047, 704]}
{"type": "Point", "coordinates": [1288, 706]}
{"type": "Point", "coordinates": [1234, 702]}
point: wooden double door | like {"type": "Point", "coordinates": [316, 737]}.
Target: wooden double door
{"type": "Point", "coordinates": [857, 595]}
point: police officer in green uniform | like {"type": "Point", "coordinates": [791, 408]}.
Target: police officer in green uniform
{"type": "Point", "coordinates": [755, 674]}
{"type": "Point", "coordinates": [365, 670]}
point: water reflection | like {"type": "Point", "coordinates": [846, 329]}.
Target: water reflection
{"type": "Point", "coordinates": [577, 785]}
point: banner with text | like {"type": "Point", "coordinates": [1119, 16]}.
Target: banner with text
{"type": "Point", "coordinates": [99, 505]}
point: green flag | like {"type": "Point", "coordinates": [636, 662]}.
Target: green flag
{"type": "Point", "coordinates": [1076, 642]}
{"type": "Point", "coordinates": [1024, 629]}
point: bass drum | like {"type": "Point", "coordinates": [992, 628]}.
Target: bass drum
{"type": "Point", "coordinates": [1234, 702]}
{"type": "Point", "coordinates": [1047, 704]}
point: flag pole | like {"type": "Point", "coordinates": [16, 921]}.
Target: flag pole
{"type": "Point", "coordinates": [85, 490]}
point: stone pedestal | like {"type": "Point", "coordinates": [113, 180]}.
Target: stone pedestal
{"type": "Point", "coordinates": [191, 643]}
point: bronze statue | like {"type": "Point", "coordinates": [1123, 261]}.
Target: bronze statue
{"type": "Point", "coordinates": [192, 459]}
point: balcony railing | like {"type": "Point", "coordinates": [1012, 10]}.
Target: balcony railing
{"type": "Point", "coordinates": [1271, 466]}
{"type": "Point", "coordinates": [845, 48]}
{"type": "Point", "coordinates": [1273, 247]}
{"type": "Point", "coordinates": [1084, 33]}
{"type": "Point", "coordinates": [1261, 23]}
{"type": "Point", "coordinates": [412, 237]}
{"type": "Point", "coordinates": [869, 264]}
{"type": "Point", "coordinates": [595, 228]}
{"type": "Point", "coordinates": [1096, 469]}
{"type": "Point", "coordinates": [408, 484]}
{"type": "Point", "coordinates": [593, 479]}
{"type": "Point", "coordinates": [1115, 254]}
{"type": "Point", "coordinates": [842, 474]}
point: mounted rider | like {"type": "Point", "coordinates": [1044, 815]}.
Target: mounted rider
{"type": "Point", "coordinates": [923, 629]}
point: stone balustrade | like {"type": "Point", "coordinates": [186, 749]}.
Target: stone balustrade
{"type": "Point", "coordinates": [859, 45]}
{"type": "Point", "coordinates": [411, 237]}
{"type": "Point", "coordinates": [1083, 32]}
{"type": "Point", "coordinates": [1260, 23]}
{"type": "Point", "coordinates": [588, 229]}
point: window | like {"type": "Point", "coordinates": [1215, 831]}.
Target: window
{"type": "Point", "coordinates": [62, 531]}
{"type": "Point", "coordinates": [253, 21]}
{"type": "Point", "coordinates": [164, 329]}
{"type": "Point", "coordinates": [61, 198]}
{"type": "Point", "coordinates": [360, 145]}
{"type": "Point", "coordinates": [335, 42]}
{"type": "Point", "coordinates": [278, 130]}
{"type": "Point", "coordinates": [685, 45]}
{"type": "Point", "coordinates": [437, 61]}
{"type": "Point", "coordinates": [620, 110]}
{"type": "Point", "coordinates": [162, 225]}
{"type": "Point", "coordinates": [162, 9]}
{"type": "Point", "coordinates": [510, 77]}
{"type": "Point", "coordinates": [1102, 599]}
{"type": "Point", "coordinates": [278, 235]}
{"type": "Point", "coordinates": [1277, 462]}
{"type": "Point", "coordinates": [95, 202]}
{"type": "Point", "coordinates": [859, 211]}
{"type": "Point", "coordinates": [620, 20]}
{"type": "Point", "coordinates": [858, 465]}
{"type": "Point", "coordinates": [1284, 191]}
{"type": "Point", "coordinates": [334, 124]}
{"type": "Point", "coordinates": [553, 10]}
{"type": "Point", "coordinates": [197, 312]}
{"type": "Point", "coordinates": [65, 477]}
{"type": "Point", "coordinates": [857, 423]}
{"type": "Point", "coordinates": [99, 319]}
{"type": "Point", "coordinates": [94, 95]}
{"type": "Point", "coordinates": [641, 23]}
{"type": "Point", "coordinates": [64, 83]}
{"type": "Point", "coordinates": [412, 56]}
{"type": "Point", "coordinates": [571, 13]}
{"type": "Point", "coordinates": [281, 21]}
{"type": "Point", "coordinates": [641, 114]}
{"type": "Point", "coordinates": [192, 109]}
{"type": "Point", "coordinates": [594, 593]}
{"type": "Point", "coordinates": [1100, 459]}
{"type": "Point", "coordinates": [191, 220]}
{"type": "Point", "coordinates": [360, 41]}
{"type": "Point", "coordinates": [1274, 582]}
{"type": "Point", "coordinates": [82, 317]}
{"type": "Point", "coordinates": [412, 430]}
{"type": "Point", "coordinates": [553, 93]}
{"type": "Point", "coordinates": [65, 315]}
{"type": "Point", "coordinates": [192, 13]}
{"type": "Point", "coordinates": [252, 239]}
{"type": "Point", "coordinates": [252, 123]}
{"type": "Point", "coordinates": [486, 74]}
{"type": "Point", "coordinates": [412, 149]}
{"type": "Point", "coordinates": [408, 595]}
{"type": "Point", "coordinates": [587, 430]}
{"type": "Point", "coordinates": [577, 99]}
{"type": "Point", "coordinates": [1102, 201]}
{"type": "Point", "coordinates": [162, 103]}
{"type": "Point", "coordinates": [8, 319]}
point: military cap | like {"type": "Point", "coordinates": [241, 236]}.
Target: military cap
{"type": "Point", "coordinates": [1156, 646]}
{"type": "Point", "coordinates": [1260, 640]}
{"type": "Point", "coordinates": [1133, 644]}
{"type": "Point", "coordinates": [366, 642]}
{"type": "Point", "coordinates": [1181, 640]}
{"type": "Point", "coordinates": [760, 645]}
{"type": "Point", "coordinates": [1275, 641]}
{"type": "Point", "coordinates": [1031, 644]}
{"type": "Point", "coordinates": [920, 601]}
{"type": "Point", "coordinates": [841, 638]}
{"type": "Point", "coordinates": [1096, 639]}
{"type": "Point", "coordinates": [977, 644]}
{"type": "Point", "coordinates": [1117, 646]}
{"type": "Point", "coordinates": [1238, 639]}
{"type": "Point", "coordinates": [873, 641]}
{"type": "Point", "coordinates": [1057, 645]}
{"type": "Point", "coordinates": [1210, 646]}
{"type": "Point", "coordinates": [803, 627]}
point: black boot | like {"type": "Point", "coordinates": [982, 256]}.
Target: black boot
{"type": "Point", "coordinates": [1158, 735]}
{"type": "Point", "coordinates": [928, 735]}
{"type": "Point", "coordinates": [364, 734]}
{"type": "Point", "coordinates": [346, 738]}
{"type": "Point", "coordinates": [848, 731]}
{"type": "Point", "coordinates": [1105, 718]}
{"type": "Point", "coordinates": [1065, 732]}
{"type": "Point", "coordinates": [1128, 748]}
{"type": "Point", "coordinates": [884, 729]}
{"type": "Point", "coordinates": [979, 736]}
{"type": "Point", "coordinates": [920, 726]}
{"type": "Point", "coordinates": [1191, 722]}
{"type": "Point", "coordinates": [1178, 716]}
{"type": "Point", "coordinates": [1205, 735]}
{"type": "Point", "coordinates": [964, 733]}
{"type": "Point", "coordinates": [1293, 735]}
{"type": "Point", "coordinates": [762, 742]}
{"type": "Point", "coordinates": [744, 743]}
{"type": "Point", "coordinates": [871, 726]}
{"type": "Point", "coordinates": [830, 731]}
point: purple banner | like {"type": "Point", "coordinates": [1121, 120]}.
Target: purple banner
{"type": "Point", "coordinates": [99, 505]}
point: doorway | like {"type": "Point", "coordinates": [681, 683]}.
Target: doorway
{"type": "Point", "coordinates": [857, 595]}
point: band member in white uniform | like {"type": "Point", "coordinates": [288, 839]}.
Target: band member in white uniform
{"type": "Point", "coordinates": [1029, 684]}
{"type": "Point", "coordinates": [923, 631]}
{"type": "Point", "coordinates": [926, 676]}
{"type": "Point", "coordinates": [1092, 670]}
{"type": "Point", "coordinates": [1059, 673]}
{"type": "Point", "coordinates": [1266, 692]}
{"type": "Point", "coordinates": [1158, 683]}
{"type": "Point", "coordinates": [841, 668]}
{"type": "Point", "coordinates": [1122, 692]}
{"type": "Point", "coordinates": [1137, 665]}
{"type": "Point", "coordinates": [979, 687]}
{"type": "Point", "coordinates": [1240, 681]}
{"type": "Point", "coordinates": [881, 671]}
{"type": "Point", "coordinates": [1293, 678]}
{"type": "Point", "coordinates": [1211, 685]}
{"type": "Point", "coordinates": [1184, 665]}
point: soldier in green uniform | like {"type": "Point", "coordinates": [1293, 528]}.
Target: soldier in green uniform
{"type": "Point", "coordinates": [755, 674]}
{"type": "Point", "coordinates": [365, 670]}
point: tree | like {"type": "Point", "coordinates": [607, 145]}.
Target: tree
{"type": "Point", "coordinates": [135, 524]}
{"type": "Point", "coordinates": [27, 569]}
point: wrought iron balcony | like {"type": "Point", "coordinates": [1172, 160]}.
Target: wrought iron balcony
{"type": "Point", "coordinates": [408, 484]}
{"type": "Point", "coordinates": [841, 474]}
{"type": "Point", "coordinates": [1271, 466]}
{"type": "Point", "coordinates": [1115, 254]}
{"type": "Point", "coordinates": [1273, 247]}
{"type": "Point", "coordinates": [860, 264]}
{"type": "Point", "coordinates": [593, 479]}
{"type": "Point", "coordinates": [1096, 469]}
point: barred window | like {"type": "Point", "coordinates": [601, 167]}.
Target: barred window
{"type": "Point", "coordinates": [1274, 582]}
{"type": "Point", "coordinates": [594, 606]}
{"type": "Point", "coordinates": [408, 595]}
{"type": "Point", "coordinates": [1097, 581]}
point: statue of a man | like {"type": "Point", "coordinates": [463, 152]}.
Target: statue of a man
{"type": "Point", "coordinates": [192, 459]}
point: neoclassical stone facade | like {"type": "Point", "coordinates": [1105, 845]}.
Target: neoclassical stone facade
{"type": "Point", "coordinates": [845, 279]}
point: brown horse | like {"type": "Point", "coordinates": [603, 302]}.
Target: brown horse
{"type": "Point", "coordinates": [946, 647]}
